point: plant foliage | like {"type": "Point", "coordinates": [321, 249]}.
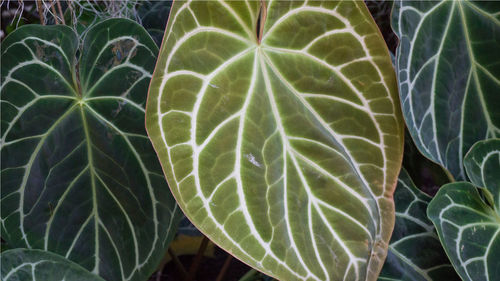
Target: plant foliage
{"type": "Point", "coordinates": [415, 252]}
{"type": "Point", "coordinates": [449, 79]}
{"type": "Point", "coordinates": [79, 175]}
{"type": "Point", "coordinates": [38, 265]}
{"type": "Point", "coordinates": [279, 130]}
{"type": "Point", "coordinates": [468, 221]}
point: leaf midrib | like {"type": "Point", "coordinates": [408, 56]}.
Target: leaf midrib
{"type": "Point", "coordinates": [95, 211]}
{"type": "Point", "coordinates": [474, 65]}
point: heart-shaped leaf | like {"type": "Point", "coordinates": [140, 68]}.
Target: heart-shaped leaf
{"type": "Point", "coordinates": [468, 223]}
{"type": "Point", "coordinates": [415, 252]}
{"type": "Point", "coordinates": [469, 230]}
{"type": "Point", "coordinates": [482, 164]}
{"type": "Point", "coordinates": [278, 127]}
{"type": "Point", "coordinates": [37, 265]}
{"type": "Point", "coordinates": [449, 79]}
{"type": "Point", "coordinates": [79, 175]}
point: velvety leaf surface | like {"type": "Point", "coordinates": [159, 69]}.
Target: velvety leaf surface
{"type": "Point", "coordinates": [415, 252]}
{"type": "Point", "coordinates": [449, 76]}
{"type": "Point", "coordinates": [469, 230]}
{"type": "Point", "coordinates": [469, 223]}
{"type": "Point", "coordinates": [37, 265]}
{"type": "Point", "coordinates": [79, 175]}
{"type": "Point", "coordinates": [281, 143]}
{"type": "Point", "coordinates": [482, 164]}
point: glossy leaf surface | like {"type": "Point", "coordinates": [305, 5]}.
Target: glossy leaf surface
{"type": "Point", "coordinates": [79, 175]}
{"type": "Point", "coordinates": [447, 66]}
{"type": "Point", "coordinates": [37, 265]}
{"type": "Point", "coordinates": [415, 252]}
{"type": "Point", "coordinates": [281, 143]}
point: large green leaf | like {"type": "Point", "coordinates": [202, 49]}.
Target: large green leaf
{"type": "Point", "coordinates": [415, 252]}
{"type": "Point", "coordinates": [79, 175]}
{"type": "Point", "coordinates": [468, 223]}
{"type": "Point", "coordinates": [278, 128]}
{"type": "Point", "coordinates": [38, 265]}
{"type": "Point", "coordinates": [449, 76]}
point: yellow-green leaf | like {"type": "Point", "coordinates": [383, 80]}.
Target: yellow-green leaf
{"type": "Point", "coordinates": [278, 127]}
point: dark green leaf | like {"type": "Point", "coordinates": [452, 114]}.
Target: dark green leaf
{"type": "Point", "coordinates": [449, 75]}
{"type": "Point", "coordinates": [482, 163]}
{"type": "Point", "coordinates": [469, 230]}
{"type": "Point", "coordinates": [415, 252]}
{"type": "Point", "coordinates": [79, 175]}
{"type": "Point", "coordinates": [37, 265]}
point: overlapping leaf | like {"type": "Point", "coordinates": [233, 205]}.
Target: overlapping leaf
{"type": "Point", "coordinates": [468, 222]}
{"type": "Point", "coordinates": [79, 175]}
{"type": "Point", "coordinates": [278, 128]}
{"type": "Point", "coordinates": [482, 164]}
{"type": "Point", "coordinates": [447, 65]}
{"type": "Point", "coordinates": [37, 265]}
{"type": "Point", "coordinates": [415, 252]}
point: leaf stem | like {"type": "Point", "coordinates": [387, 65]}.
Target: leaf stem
{"type": "Point", "coordinates": [197, 259]}
{"type": "Point", "coordinates": [177, 263]}
{"type": "Point", "coordinates": [224, 268]}
{"type": "Point", "coordinates": [448, 174]}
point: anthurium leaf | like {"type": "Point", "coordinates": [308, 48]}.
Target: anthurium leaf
{"type": "Point", "coordinates": [482, 164]}
{"type": "Point", "coordinates": [415, 252]}
{"type": "Point", "coordinates": [469, 230]}
{"type": "Point", "coordinates": [278, 128]}
{"type": "Point", "coordinates": [467, 222]}
{"type": "Point", "coordinates": [79, 175]}
{"type": "Point", "coordinates": [447, 66]}
{"type": "Point", "coordinates": [38, 265]}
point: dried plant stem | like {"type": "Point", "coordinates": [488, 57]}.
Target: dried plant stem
{"type": "Point", "coordinates": [54, 13]}
{"type": "Point", "coordinates": [40, 11]}
{"type": "Point", "coordinates": [60, 11]}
